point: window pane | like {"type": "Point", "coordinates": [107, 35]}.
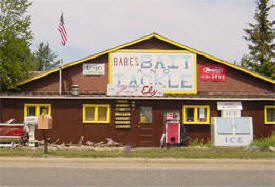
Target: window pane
{"type": "Point", "coordinates": [145, 114]}
{"type": "Point", "coordinates": [31, 111]}
{"type": "Point", "coordinates": [189, 116]}
{"type": "Point", "coordinates": [102, 113]}
{"type": "Point", "coordinates": [270, 112]}
{"type": "Point", "coordinates": [44, 109]}
{"type": "Point", "coordinates": [202, 114]}
{"type": "Point", "coordinates": [90, 114]}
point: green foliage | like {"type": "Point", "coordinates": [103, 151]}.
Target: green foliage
{"type": "Point", "coordinates": [44, 58]}
{"type": "Point", "coordinates": [260, 37]}
{"type": "Point", "coordinates": [15, 39]}
{"type": "Point", "coordinates": [200, 143]}
{"type": "Point", "coordinates": [264, 143]}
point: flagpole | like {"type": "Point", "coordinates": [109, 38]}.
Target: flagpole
{"type": "Point", "coordinates": [63, 34]}
{"type": "Point", "coordinates": [60, 66]}
{"type": "Point", "coordinates": [60, 72]}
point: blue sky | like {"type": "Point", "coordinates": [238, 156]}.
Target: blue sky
{"type": "Point", "coordinates": [212, 26]}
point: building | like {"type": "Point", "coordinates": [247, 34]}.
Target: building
{"type": "Point", "coordinates": [124, 93]}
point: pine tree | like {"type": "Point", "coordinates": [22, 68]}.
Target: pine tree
{"type": "Point", "coordinates": [44, 58]}
{"type": "Point", "coordinates": [15, 40]}
{"type": "Point", "coordinates": [260, 37]}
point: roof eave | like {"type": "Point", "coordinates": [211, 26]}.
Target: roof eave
{"type": "Point", "coordinates": [147, 37]}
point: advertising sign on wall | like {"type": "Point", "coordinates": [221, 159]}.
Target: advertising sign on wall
{"type": "Point", "coordinates": [151, 73]}
{"type": "Point", "coordinates": [230, 105]}
{"type": "Point", "coordinates": [93, 69]}
{"type": "Point", "coordinates": [212, 72]}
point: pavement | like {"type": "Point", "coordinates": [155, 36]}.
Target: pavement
{"type": "Point", "coordinates": [52, 171]}
{"type": "Point", "coordinates": [245, 164]}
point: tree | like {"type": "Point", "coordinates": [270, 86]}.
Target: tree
{"type": "Point", "coordinates": [15, 40]}
{"type": "Point", "coordinates": [260, 36]}
{"type": "Point", "coordinates": [44, 58]}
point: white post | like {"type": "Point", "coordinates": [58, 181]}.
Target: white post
{"type": "Point", "coordinates": [60, 73]}
{"type": "Point", "coordinates": [60, 80]}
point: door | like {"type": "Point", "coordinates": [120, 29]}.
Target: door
{"type": "Point", "coordinates": [145, 126]}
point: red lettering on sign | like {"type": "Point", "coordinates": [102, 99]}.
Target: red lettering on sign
{"type": "Point", "coordinates": [115, 62]}
{"type": "Point", "coordinates": [149, 90]}
{"type": "Point", "coordinates": [126, 61]}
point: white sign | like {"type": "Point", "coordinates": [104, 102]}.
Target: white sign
{"type": "Point", "coordinates": [93, 69]}
{"type": "Point", "coordinates": [172, 72]}
{"type": "Point", "coordinates": [229, 105]}
{"type": "Point", "coordinates": [125, 90]}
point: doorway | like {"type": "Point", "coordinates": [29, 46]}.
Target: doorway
{"type": "Point", "coordinates": [145, 126]}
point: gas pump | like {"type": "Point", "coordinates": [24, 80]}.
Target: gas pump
{"type": "Point", "coordinates": [172, 124]}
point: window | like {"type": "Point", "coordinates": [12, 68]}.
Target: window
{"type": "Point", "coordinates": [196, 114]}
{"type": "Point", "coordinates": [96, 113]}
{"type": "Point", "coordinates": [269, 114]}
{"type": "Point", "coordinates": [145, 114]}
{"type": "Point", "coordinates": [36, 109]}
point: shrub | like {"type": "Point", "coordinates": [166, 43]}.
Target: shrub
{"type": "Point", "coordinates": [264, 143]}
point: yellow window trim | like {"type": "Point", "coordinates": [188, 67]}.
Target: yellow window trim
{"type": "Point", "coordinates": [96, 106]}
{"type": "Point", "coordinates": [196, 107]}
{"type": "Point", "coordinates": [37, 108]}
{"type": "Point", "coordinates": [265, 114]}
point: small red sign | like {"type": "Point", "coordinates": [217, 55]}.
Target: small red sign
{"type": "Point", "coordinates": [212, 72]}
{"type": "Point", "coordinates": [173, 133]}
{"type": "Point", "coordinates": [170, 116]}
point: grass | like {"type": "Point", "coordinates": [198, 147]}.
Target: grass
{"type": "Point", "coordinates": [196, 150]}
{"type": "Point", "coordinates": [189, 152]}
{"type": "Point", "coordinates": [264, 143]}
{"type": "Point", "coordinates": [200, 143]}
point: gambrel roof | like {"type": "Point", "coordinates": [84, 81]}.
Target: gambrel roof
{"type": "Point", "coordinates": [144, 38]}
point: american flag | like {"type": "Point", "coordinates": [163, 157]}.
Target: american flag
{"type": "Point", "coordinates": [62, 30]}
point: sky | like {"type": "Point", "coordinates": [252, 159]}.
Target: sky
{"type": "Point", "coordinates": [211, 26]}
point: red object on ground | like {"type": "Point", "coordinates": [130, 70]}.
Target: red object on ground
{"type": "Point", "coordinates": [11, 130]}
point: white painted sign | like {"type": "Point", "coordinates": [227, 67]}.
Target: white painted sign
{"type": "Point", "coordinates": [93, 69]}
{"type": "Point", "coordinates": [172, 72]}
{"type": "Point", "coordinates": [229, 105]}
